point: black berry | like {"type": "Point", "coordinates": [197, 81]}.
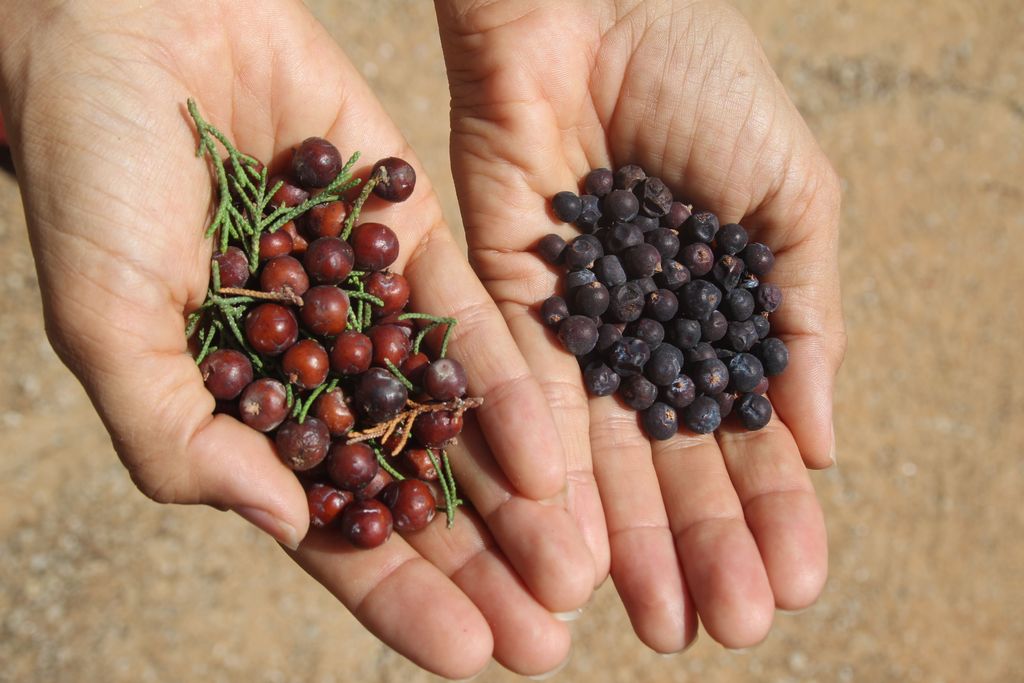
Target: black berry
{"type": "Point", "coordinates": [660, 421]}
{"type": "Point", "coordinates": [754, 411]}
{"type": "Point", "coordinates": [703, 415]}
{"type": "Point", "coordinates": [638, 392]}
{"type": "Point", "coordinates": [578, 334]}
{"type": "Point", "coordinates": [567, 206]}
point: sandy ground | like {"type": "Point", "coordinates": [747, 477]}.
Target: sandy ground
{"type": "Point", "coordinates": [920, 108]}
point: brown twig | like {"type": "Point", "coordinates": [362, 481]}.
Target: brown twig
{"type": "Point", "coordinates": [405, 419]}
{"type": "Point", "coordinates": [287, 296]}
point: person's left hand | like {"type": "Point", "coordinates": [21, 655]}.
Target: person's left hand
{"type": "Point", "coordinates": [726, 526]}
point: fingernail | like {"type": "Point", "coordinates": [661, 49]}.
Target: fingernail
{"type": "Point", "coordinates": [282, 532]}
{"type": "Point", "coordinates": [832, 448]}
{"type": "Point", "coordinates": [553, 672]}
{"type": "Point", "coordinates": [571, 615]}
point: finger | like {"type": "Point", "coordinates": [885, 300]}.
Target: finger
{"type": "Point", "coordinates": [500, 248]}
{"type": "Point", "coordinates": [781, 510]}
{"type": "Point", "coordinates": [532, 457]}
{"type": "Point", "coordinates": [404, 600]}
{"type": "Point", "coordinates": [560, 380]}
{"type": "Point", "coordinates": [644, 565]}
{"type": "Point", "coordinates": [810, 320]}
{"type": "Point", "coordinates": [527, 638]}
{"type": "Point", "coordinates": [720, 558]}
{"type": "Point", "coordinates": [540, 540]}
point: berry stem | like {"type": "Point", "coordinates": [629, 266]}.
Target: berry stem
{"type": "Point", "coordinates": [365, 296]}
{"type": "Point", "coordinates": [286, 296]}
{"type": "Point", "coordinates": [399, 376]}
{"type": "Point", "coordinates": [447, 488]}
{"type": "Point", "coordinates": [436, 320]}
{"type": "Point", "coordinates": [308, 403]}
{"type": "Point", "coordinates": [357, 206]}
{"type": "Point", "coordinates": [405, 419]}
{"type": "Point", "coordinates": [385, 465]}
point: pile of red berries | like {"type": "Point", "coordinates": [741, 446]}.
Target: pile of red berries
{"type": "Point", "coordinates": [326, 360]}
{"type": "Point", "coordinates": [663, 306]}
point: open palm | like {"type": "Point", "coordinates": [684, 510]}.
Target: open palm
{"type": "Point", "coordinates": [728, 526]}
{"type": "Point", "coordinates": [116, 202]}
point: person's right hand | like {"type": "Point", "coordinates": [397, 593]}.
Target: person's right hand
{"type": "Point", "coordinates": [542, 92]}
{"type": "Point", "coordinates": [116, 202]}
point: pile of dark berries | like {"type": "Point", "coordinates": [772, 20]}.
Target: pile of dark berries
{"type": "Point", "coordinates": [663, 306]}
{"type": "Point", "coordinates": [305, 337]}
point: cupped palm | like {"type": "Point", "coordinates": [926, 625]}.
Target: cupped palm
{"type": "Point", "coordinates": [726, 526]}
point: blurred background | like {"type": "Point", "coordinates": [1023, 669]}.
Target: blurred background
{"type": "Point", "coordinates": [921, 108]}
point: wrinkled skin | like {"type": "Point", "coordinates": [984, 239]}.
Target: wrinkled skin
{"type": "Point", "coordinates": [96, 110]}
{"type": "Point", "coordinates": [726, 527]}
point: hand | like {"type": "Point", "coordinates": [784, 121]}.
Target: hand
{"type": "Point", "coordinates": [116, 202]}
{"type": "Point", "coordinates": [541, 93]}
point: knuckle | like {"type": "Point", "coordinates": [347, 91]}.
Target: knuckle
{"type": "Point", "coordinates": [162, 487]}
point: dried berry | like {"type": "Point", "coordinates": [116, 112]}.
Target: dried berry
{"type": "Point", "coordinates": [759, 258]}
{"type": "Point", "coordinates": [638, 392]}
{"type": "Point", "coordinates": [655, 197]}
{"type": "Point", "coordinates": [731, 239]}
{"type": "Point", "coordinates": [567, 206]}
{"type": "Point", "coordinates": [660, 421]}
{"type": "Point", "coordinates": [551, 247]}
{"type": "Point", "coordinates": [774, 356]}
{"type": "Point", "coordinates": [303, 445]}
{"type": "Point", "coordinates": [578, 334]}
{"type": "Point", "coordinates": [553, 311]}
{"type": "Point", "coordinates": [621, 205]}
{"type": "Point", "coordinates": [700, 227]}
{"type": "Point", "coordinates": [754, 411]}
{"type": "Point", "coordinates": [598, 182]}
{"type": "Point", "coordinates": [600, 379]}
{"type": "Point", "coordinates": [702, 416]}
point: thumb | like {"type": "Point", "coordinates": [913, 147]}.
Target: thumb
{"type": "Point", "coordinates": [804, 215]}
{"type": "Point", "coordinates": [151, 397]}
